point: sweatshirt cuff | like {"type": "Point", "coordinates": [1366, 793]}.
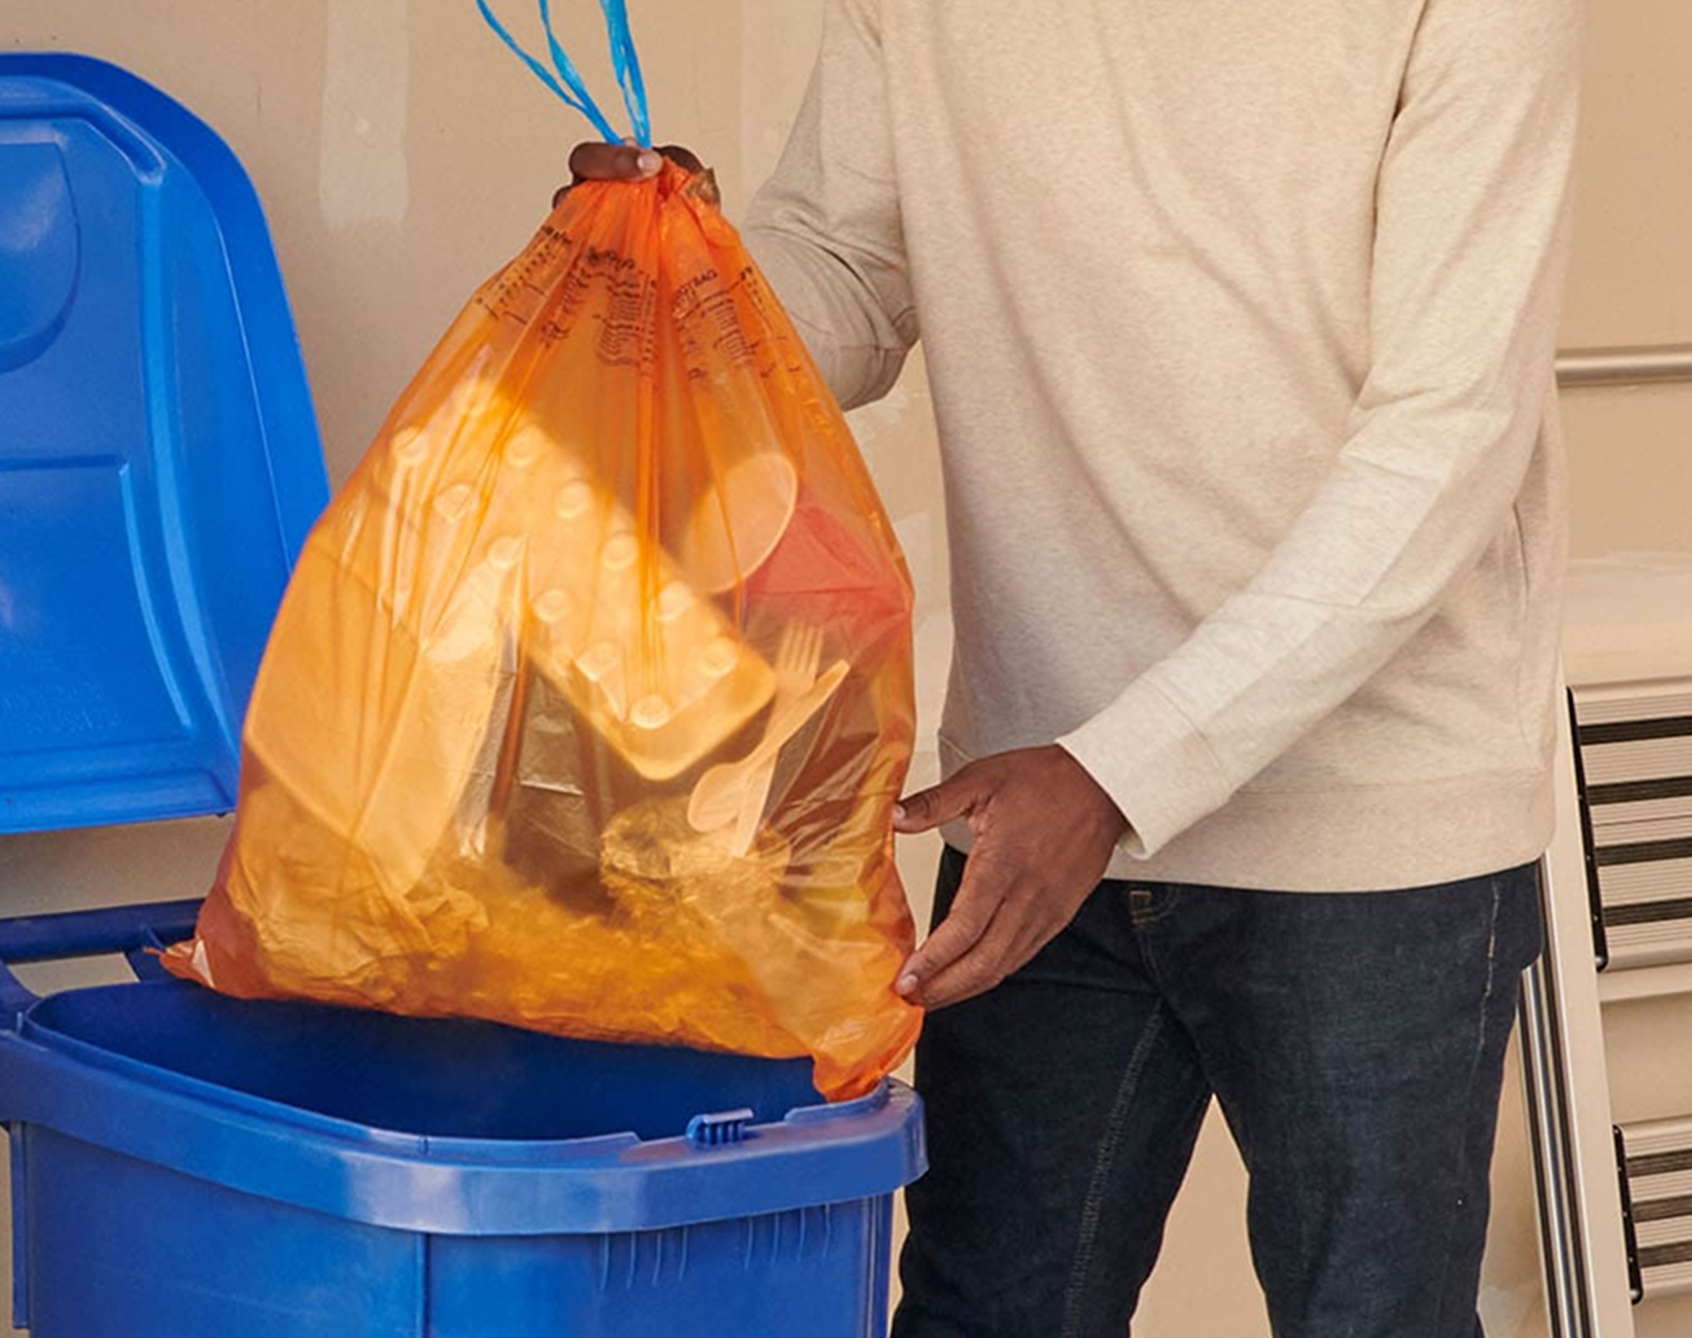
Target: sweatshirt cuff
{"type": "Point", "coordinates": [1154, 763]}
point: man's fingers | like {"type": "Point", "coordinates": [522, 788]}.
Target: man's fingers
{"type": "Point", "coordinates": [683, 158]}
{"type": "Point", "coordinates": [984, 966]}
{"type": "Point", "coordinates": [1012, 940]}
{"type": "Point", "coordinates": [957, 934]}
{"type": "Point", "coordinates": [613, 162]}
{"type": "Point", "coordinates": [928, 809]}
{"type": "Point", "coordinates": [627, 161]}
{"type": "Point", "coordinates": [979, 898]}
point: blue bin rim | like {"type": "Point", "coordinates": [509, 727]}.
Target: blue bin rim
{"type": "Point", "coordinates": [815, 1156]}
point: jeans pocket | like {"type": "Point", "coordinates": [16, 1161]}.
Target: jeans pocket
{"type": "Point", "coordinates": [1519, 923]}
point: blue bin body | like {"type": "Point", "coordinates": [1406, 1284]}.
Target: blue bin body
{"type": "Point", "coordinates": [200, 1167]}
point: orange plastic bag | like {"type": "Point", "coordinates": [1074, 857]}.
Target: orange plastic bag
{"type": "Point", "coordinates": [590, 698]}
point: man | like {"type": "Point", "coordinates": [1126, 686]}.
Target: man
{"type": "Point", "coordinates": [1240, 319]}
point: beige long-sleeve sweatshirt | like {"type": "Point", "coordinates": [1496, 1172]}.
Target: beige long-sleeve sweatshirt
{"type": "Point", "coordinates": [1240, 319]}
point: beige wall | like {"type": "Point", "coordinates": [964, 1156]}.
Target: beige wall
{"type": "Point", "coordinates": [401, 156]}
{"type": "Point", "coordinates": [1631, 450]}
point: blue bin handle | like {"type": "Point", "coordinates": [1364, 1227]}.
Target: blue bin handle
{"type": "Point", "coordinates": [131, 930]}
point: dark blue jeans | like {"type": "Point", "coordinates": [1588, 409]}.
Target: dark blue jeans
{"type": "Point", "coordinates": [1355, 1042]}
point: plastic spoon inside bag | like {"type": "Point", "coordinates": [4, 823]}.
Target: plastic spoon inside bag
{"type": "Point", "coordinates": [717, 798]}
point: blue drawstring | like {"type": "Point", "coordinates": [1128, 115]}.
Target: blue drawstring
{"type": "Point", "coordinates": [569, 84]}
{"type": "Point", "coordinates": [626, 61]}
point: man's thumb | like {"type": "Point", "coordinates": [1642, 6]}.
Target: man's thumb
{"type": "Point", "coordinates": [946, 802]}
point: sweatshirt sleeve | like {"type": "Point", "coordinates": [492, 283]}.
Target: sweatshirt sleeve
{"type": "Point", "coordinates": [826, 228]}
{"type": "Point", "coordinates": [1471, 243]}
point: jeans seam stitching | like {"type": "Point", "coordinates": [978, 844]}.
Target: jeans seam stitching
{"type": "Point", "coordinates": [1469, 1094]}
{"type": "Point", "coordinates": [1491, 960]}
{"type": "Point", "coordinates": [1104, 1159]}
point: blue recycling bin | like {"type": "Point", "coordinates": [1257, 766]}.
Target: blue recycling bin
{"type": "Point", "coordinates": [200, 1167]}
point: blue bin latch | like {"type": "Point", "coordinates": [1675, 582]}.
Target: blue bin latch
{"type": "Point", "coordinates": [721, 1129]}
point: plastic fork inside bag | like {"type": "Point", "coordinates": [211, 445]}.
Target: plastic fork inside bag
{"type": "Point", "coordinates": [591, 696]}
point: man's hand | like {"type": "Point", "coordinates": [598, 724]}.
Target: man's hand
{"type": "Point", "coordinates": [1044, 834]}
{"type": "Point", "coordinates": [598, 161]}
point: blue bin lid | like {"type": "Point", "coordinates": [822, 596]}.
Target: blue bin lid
{"type": "Point", "coordinates": [160, 464]}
